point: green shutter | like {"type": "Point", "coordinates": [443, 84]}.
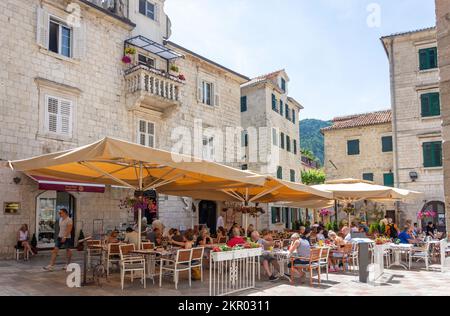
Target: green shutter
{"type": "Point", "coordinates": [368, 177]}
{"type": "Point", "coordinates": [388, 179]}
{"type": "Point", "coordinates": [280, 173]}
{"type": "Point", "coordinates": [428, 58]}
{"type": "Point", "coordinates": [142, 6]}
{"type": "Point", "coordinates": [353, 147]}
{"type": "Point", "coordinates": [432, 154]}
{"type": "Point", "coordinates": [244, 104]}
{"type": "Point", "coordinates": [293, 116]}
{"type": "Point", "coordinates": [281, 107]}
{"type": "Point", "coordinates": [430, 104]}
{"type": "Point", "coordinates": [274, 215]}
{"type": "Point", "coordinates": [295, 147]}
{"type": "Point", "coordinates": [386, 143]}
{"type": "Point", "coordinates": [288, 143]}
{"type": "Point", "coordinates": [282, 140]}
{"type": "Point", "coordinates": [274, 103]}
{"type": "Point", "coordinates": [292, 175]}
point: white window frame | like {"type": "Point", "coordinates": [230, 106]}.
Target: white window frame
{"type": "Point", "coordinates": [208, 151]}
{"type": "Point", "coordinates": [61, 25]}
{"type": "Point", "coordinates": [147, 58]}
{"type": "Point", "coordinates": [147, 134]}
{"type": "Point", "coordinates": [59, 116]}
{"type": "Point", "coordinates": [205, 83]}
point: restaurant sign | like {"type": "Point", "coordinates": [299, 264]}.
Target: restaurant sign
{"type": "Point", "coordinates": [11, 208]}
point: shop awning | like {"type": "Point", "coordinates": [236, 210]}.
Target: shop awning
{"type": "Point", "coordinates": [50, 184]}
{"type": "Point", "coordinates": [153, 47]}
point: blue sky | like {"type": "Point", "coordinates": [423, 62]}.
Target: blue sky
{"type": "Point", "coordinates": [335, 61]}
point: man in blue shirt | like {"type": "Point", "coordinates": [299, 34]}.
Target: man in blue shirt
{"type": "Point", "coordinates": [406, 236]}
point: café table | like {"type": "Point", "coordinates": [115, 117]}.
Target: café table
{"type": "Point", "coordinates": [283, 258]}
{"type": "Point", "coordinates": [397, 250]}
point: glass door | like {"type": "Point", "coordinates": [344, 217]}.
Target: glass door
{"type": "Point", "coordinates": [46, 220]}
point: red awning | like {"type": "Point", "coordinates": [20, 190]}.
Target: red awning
{"type": "Point", "coordinates": [50, 184]}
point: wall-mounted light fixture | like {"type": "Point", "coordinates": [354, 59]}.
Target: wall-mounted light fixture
{"type": "Point", "coordinates": [414, 176]}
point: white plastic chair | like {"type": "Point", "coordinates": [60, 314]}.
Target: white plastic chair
{"type": "Point", "coordinates": [422, 253]}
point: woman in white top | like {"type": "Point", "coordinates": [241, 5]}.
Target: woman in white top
{"type": "Point", "coordinates": [22, 240]}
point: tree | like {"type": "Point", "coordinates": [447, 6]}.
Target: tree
{"type": "Point", "coordinates": [313, 177]}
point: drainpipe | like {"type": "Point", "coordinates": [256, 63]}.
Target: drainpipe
{"type": "Point", "coordinates": [394, 121]}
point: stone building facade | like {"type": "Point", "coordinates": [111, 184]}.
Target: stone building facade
{"type": "Point", "coordinates": [360, 147]}
{"type": "Point", "coordinates": [270, 119]}
{"type": "Point", "coordinates": [443, 40]}
{"type": "Point", "coordinates": [416, 111]}
{"type": "Point", "coordinates": [63, 84]}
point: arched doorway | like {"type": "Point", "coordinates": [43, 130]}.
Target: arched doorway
{"type": "Point", "coordinates": [47, 221]}
{"type": "Point", "coordinates": [439, 220]}
{"type": "Point", "coordinates": [207, 215]}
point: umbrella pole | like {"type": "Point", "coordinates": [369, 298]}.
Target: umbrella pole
{"type": "Point", "coordinates": [141, 186]}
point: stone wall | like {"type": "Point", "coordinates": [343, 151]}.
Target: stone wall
{"type": "Point", "coordinates": [95, 82]}
{"type": "Point", "coordinates": [443, 35]}
{"type": "Point", "coordinates": [413, 130]}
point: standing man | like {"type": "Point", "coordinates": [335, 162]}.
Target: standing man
{"type": "Point", "coordinates": [220, 221]}
{"type": "Point", "coordinates": [63, 240]}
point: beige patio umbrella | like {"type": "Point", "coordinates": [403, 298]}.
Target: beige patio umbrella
{"type": "Point", "coordinates": [116, 162]}
{"type": "Point", "coordinates": [273, 190]}
{"type": "Point", "coordinates": [353, 190]}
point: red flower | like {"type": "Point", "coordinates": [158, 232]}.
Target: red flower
{"type": "Point", "coordinates": [182, 77]}
{"type": "Point", "coordinates": [126, 59]}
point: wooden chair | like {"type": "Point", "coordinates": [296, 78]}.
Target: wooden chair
{"type": "Point", "coordinates": [181, 263]}
{"type": "Point", "coordinates": [147, 246]}
{"type": "Point", "coordinates": [313, 264]}
{"type": "Point", "coordinates": [197, 260]}
{"type": "Point", "coordinates": [92, 251]}
{"type": "Point", "coordinates": [113, 256]}
{"type": "Point", "coordinates": [286, 243]}
{"type": "Point", "coordinates": [324, 258]}
{"type": "Point", "coordinates": [346, 252]}
{"type": "Point", "coordinates": [131, 263]}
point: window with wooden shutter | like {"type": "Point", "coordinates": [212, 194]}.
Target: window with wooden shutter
{"type": "Point", "coordinates": [274, 103]}
{"type": "Point", "coordinates": [386, 144]}
{"type": "Point", "coordinates": [58, 115]}
{"type": "Point", "coordinates": [428, 58]}
{"type": "Point", "coordinates": [353, 147]}
{"type": "Point", "coordinates": [432, 154]}
{"type": "Point", "coordinates": [276, 215]}
{"type": "Point", "coordinates": [244, 141]}
{"type": "Point", "coordinates": [281, 107]}
{"type": "Point", "coordinates": [368, 176]}
{"type": "Point", "coordinates": [283, 84]}
{"type": "Point", "coordinates": [295, 146]}
{"type": "Point", "coordinates": [282, 140]}
{"type": "Point", "coordinates": [244, 104]}
{"type": "Point", "coordinates": [60, 38]}
{"type": "Point", "coordinates": [388, 179]}
{"type": "Point", "coordinates": [207, 93]}
{"type": "Point", "coordinates": [148, 9]}
{"type": "Point", "coordinates": [288, 143]}
{"type": "Point", "coordinates": [42, 25]}
{"type": "Point", "coordinates": [294, 116]}
{"type": "Point", "coordinates": [430, 104]}
{"type": "Point", "coordinates": [146, 133]}
{"type": "Point", "coordinates": [287, 112]}
{"type": "Point", "coordinates": [280, 173]}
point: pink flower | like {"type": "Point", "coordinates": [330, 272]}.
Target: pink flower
{"type": "Point", "coordinates": [181, 77]}
{"type": "Point", "coordinates": [126, 59]}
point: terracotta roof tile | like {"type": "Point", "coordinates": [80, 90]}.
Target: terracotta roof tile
{"type": "Point", "coordinates": [358, 120]}
{"type": "Point", "coordinates": [262, 78]}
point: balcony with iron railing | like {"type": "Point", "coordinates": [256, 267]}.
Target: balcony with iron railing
{"type": "Point", "coordinates": [115, 8]}
{"type": "Point", "coordinates": [152, 88]}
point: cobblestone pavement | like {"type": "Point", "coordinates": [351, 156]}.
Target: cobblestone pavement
{"type": "Point", "coordinates": [28, 278]}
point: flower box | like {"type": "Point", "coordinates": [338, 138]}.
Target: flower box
{"type": "Point", "coordinates": [236, 254]}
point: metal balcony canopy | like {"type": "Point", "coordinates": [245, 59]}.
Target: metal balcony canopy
{"type": "Point", "coordinates": [153, 47]}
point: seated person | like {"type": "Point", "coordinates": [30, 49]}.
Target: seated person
{"type": "Point", "coordinates": [266, 259]}
{"type": "Point", "coordinates": [113, 237]}
{"type": "Point", "coordinates": [339, 243]}
{"type": "Point", "coordinates": [429, 230]}
{"type": "Point", "coordinates": [131, 237]}
{"type": "Point", "coordinates": [153, 235]}
{"type": "Point", "coordinates": [347, 233]}
{"type": "Point", "coordinates": [320, 235]}
{"type": "Point", "coordinates": [300, 249]}
{"type": "Point", "coordinates": [236, 239]}
{"type": "Point", "coordinates": [250, 230]}
{"type": "Point", "coordinates": [188, 240]}
{"type": "Point", "coordinates": [407, 236]}
{"type": "Point", "coordinates": [204, 238]}
{"type": "Point", "coordinates": [22, 240]}
{"type": "Point", "coordinates": [176, 235]}
{"type": "Point", "coordinates": [221, 232]}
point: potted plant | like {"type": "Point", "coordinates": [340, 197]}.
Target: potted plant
{"type": "Point", "coordinates": [174, 68]}
{"type": "Point", "coordinates": [182, 77]}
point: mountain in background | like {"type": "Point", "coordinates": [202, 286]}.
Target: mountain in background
{"type": "Point", "coordinates": [311, 138]}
